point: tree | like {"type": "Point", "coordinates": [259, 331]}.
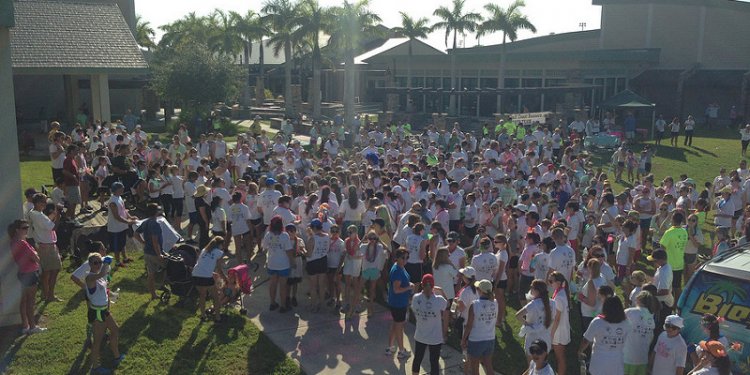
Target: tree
{"type": "Point", "coordinates": [253, 28]}
{"type": "Point", "coordinates": [508, 21]}
{"type": "Point", "coordinates": [281, 15]}
{"type": "Point", "coordinates": [456, 21]}
{"type": "Point", "coordinates": [353, 22]}
{"type": "Point", "coordinates": [189, 29]}
{"type": "Point", "coordinates": [225, 37]}
{"type": "Point", "coordinates": [314, 20]}
{"type": "Point", "coordinates": [412, 29]}
{"type": "Point", "coordinates": [191, 76]}
{"type": "Point", "coordinates": [144, 33]}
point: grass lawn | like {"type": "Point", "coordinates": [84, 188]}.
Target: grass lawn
{"type": "Point", "coordinates": [168, 339]}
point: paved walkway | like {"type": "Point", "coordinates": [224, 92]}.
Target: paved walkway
{"type": "Point", "coordinates": [328, 343]}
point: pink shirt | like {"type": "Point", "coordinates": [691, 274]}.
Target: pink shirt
{"type": "Point", "coordinates": [23, 254]}
{"type": "Point", "coordinates": [526, 256]}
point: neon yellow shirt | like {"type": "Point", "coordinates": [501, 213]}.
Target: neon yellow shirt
{"type": "Point", "coordinates": [674, 241]}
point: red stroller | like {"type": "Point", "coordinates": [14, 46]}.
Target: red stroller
{"type": "Point", "coordinates": [245, 282]}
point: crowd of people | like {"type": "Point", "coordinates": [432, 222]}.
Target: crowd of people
{"type": "Point", "coordinates": [446, 226]}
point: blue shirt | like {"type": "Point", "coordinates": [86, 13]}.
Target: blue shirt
{"type": "Point", "coordinates": [630, 124]}
{"type": "Point", "coordinates": [398, 300]}
{"type": "Point", "coordinates": [149, 228]}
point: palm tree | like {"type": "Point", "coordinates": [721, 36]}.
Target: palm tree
{"type": "Point", "coordinates": [252, 27]}
{"type": "Point", "coordinates": [281, 15]}
{"type": "Point", "coordinates": [412, 29]}
{"type": "Point", "coordinates": [508, 21]}
{"type": "Point", "coordinates": [144, 33]}
{"type": "Point", "coordinates": [225, 38]}
{"type": "Point", "coordinates": [314, 20]}
{"type": "Point", "coordinates": [456, 21]}
{"type": "Point", "coordinates": [353, 22]}
{"type": "Point", "coordinates": [189, 28]}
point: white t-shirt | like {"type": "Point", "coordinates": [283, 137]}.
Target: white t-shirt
{"type": "Point", "coordinates": [625, 243]}
{"type": "Point", "coordinates": [206, 263]}
{"type": "Point", "coordinates": [444, 276]}
{"type": "Point", "coordinates": [81, 272]}
{"type": "Point", "coordinates": [277, 246]}
{"type": "Point", "coordinates": [178, 190]}
{"type": "Point", "coordinates": [376, 263]}
{"type": "Point", "coordinates": [663, 280]}
{"type": "Point", "coordinates": [540, 264]}
{"type": "Point", "coordinates": [57, 163]}
{"type": "Point", "coordinates": [563, 259]}
{"type": "Point", "coordinates": [669, 353]}
{"type": "Point", "coordinates": [456, 256]}
{"type": "Point", "coordinates": [485, 317]}
{"type": "Point", "coordinates": [413, 243]}
{"type": "Point", "coordinates": [352, 214]}
{"type": "Point", "coordinates": [322, 242]}
{"type": "Point", "coordinates": [591, 311]}
{"type": "Point", "coordinates": [640, 335]}
{"type": "Point", "coordinates": [114, 225]}
{"type": "Point", "coordinates": [428, 311]}
{"type": "Point", "coordinates": [574, 223]}
{"type": "Point", "coordinates": [218, 216]}
{"type": "Point", "coordinates": [267, 201]}
{"type": "Point", "coordinates": [562, 334]}
{"type": "Point", "coordinates": [189, 200]}
{"type": "Point", "coordinates": [502, 257]}
{"type": "Point", "coordinates": [546, 370]}
{"type": "Point", "coordinates": [335, 252]}
{"type": "Point", "coordinates": [485, 264]}
{"type": "Point", "coordinates": [239, 214]}
{"type": "Point", "coordinates": [287, 216]}
{"type": "Point", "coordinates": [608, 345]}
{"type": "Point", "coordinates": [467, 296]}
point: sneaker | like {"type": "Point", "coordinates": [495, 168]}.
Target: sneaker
{"type": "Point", "coordinates": [402, 354]}
{"type": "Point", "coordinates": [390, 350]}
{"type": "Point", "coordinates": [119, 359]}
{"type": "Point", "coordinates": [35, 330]}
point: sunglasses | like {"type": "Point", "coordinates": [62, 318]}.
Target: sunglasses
{"type": "Point", "coordinates": [536, 351]}
{"type": "Point", "coordinates": [498, 242]}
{"type": "Point", "coordinates": [599, 255]}
{"type": "Point", "coordinates": [451, 240]}
{"type": "Point", "coordinates": [372, 238]}
{"type": "Point", "coordinates": [24, 227]}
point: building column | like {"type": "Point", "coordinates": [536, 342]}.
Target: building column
{"type": "Point", "coordinates": [72, 97]}
{"type": "Point", "coordinates": [10, 185]}
{"type": "Point", "coordinates": [100, 98]}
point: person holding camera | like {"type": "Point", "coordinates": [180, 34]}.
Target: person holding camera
{"type": "Point", "coordinates": [43, 219]}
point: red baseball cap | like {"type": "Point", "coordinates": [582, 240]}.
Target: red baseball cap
{"type": "Point", "coordinates": [428, 279]}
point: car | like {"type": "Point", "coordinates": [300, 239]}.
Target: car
{"type": "Point", "coordinates": [721, 287]}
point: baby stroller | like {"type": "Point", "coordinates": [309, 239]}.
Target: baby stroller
{"type": "Point", "coordinates": [243, 278]}
{"type": "Point", "coordinates": [179, 265]}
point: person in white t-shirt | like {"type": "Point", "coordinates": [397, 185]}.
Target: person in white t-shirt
{"type": "Point", "coordinates": [562, 258]}
{"type": "Point", "coordinates": [607, 334]}
{"type": "Point", "coordinates": [239, 216]}
{"type": "Point", "coordinates": [670, 351]}
{"type": "Point", "coordinates": [279, 262]}
{"type": "Point", "coordinates": [560, 330]}
{"type": "Point", "coordinates": [479, 333]}
{"type": "Point", "coordinates": [430, 310]}
{"type": "Point", "coordinates": [642, 324]}
{"type": "Point", "coordinates": [538, 364]}
{"type": "Point", "coordinates": [206, 266]}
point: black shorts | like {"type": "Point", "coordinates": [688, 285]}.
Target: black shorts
{"type": "Point", "coordinates": [97, 315]}
{"type": "Point", "coordinates": [415, 272]}
{"type": "Point", "coordinates": [513, 262]}
{"type": "Point", "coordinates": [57, 174]}
{"type": "Point", "coordinates": [502, 284]}
{"type": "Point", "coordinates": [744, 144]}
{"type": "Point", "coordinates": [117, 241]}
{"type": "Point", "coordinates": [332, 270]}
{"type": "Point", "coordinates": [737, 214]}
{"type": "Point", "coordinates": [690, 258]}
{"type": "Point", "coordinates": [525, 283]}
{"type": "Point", "coordinates": [620, 164]}
{"type": "Point", "coordinates": [317, 266]}
{"type": "Point", "coordinates": [203, 281]}
{"type": "Point", "coordinates": [177, 206]}
{"type": "Point", "coordinates": [659, 135]}
{"type": "Point", "coordinates": [648, 167]}
{"type": "Point", "coordinates": [256, 222]}
{"type": "Point", "coordinates": [677, 279]}
{"type": "Point", "coordinates": [29, 279]}
{"type": "Point", "coordinates": [398, 314]}
{"type": "Point", "coordinates": [675, 134]}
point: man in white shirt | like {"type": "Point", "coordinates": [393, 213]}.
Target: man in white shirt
{"type": "Point", "coordinates": [663, 282]}
{"type": "Point", "coordinates": [268, 200]}
{"type": "Point", "coordinates": [562, 258]}
{"type": "Point", "coordinates": [332, 145]}
{"type": "Point", "coordinates": [670, 352]}
{"type": "Point", "coordinates": [459, 172]}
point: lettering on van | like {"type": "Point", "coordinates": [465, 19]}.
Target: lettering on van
{"type": "Point", "coordinates": [714, 304]}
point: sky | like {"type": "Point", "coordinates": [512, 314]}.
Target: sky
{"type": "Point", "coordinates": [549, 16]}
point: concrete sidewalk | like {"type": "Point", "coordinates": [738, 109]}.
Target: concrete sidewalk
{"type": "Point", "coordinates": [328, 343]}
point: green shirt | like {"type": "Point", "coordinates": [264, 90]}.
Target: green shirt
{"type": "Point", "coordinates": [674, 241]}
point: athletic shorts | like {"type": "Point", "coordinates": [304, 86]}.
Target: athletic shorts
{"type": "Point", "coordinates": [513, 262]}
{"type": "Point", "coordinates": [29, 279]}
{"type": "Point", "coordinates": [96, 315]}
{"type": "Point", "coordinates": [317, 266]}
{"type": "Point", "coordinates": [691, 258]}
{"type": "Point", "coordinates": [480, 349]}
{"type": "Point", "coordinates": [636, 369]}
{"type": "Point", "coordinates": [73, 194]}
{"type": "Point", "coordinates": [676, 279]}
{"type": "Point", "coordinates": [117, 241]}
{"type": "Point", "coordinates": [398, 314]}
{"type": "Point", "coordinates": [502, 284]}
{"type": "Point", "coordinates": [415, 272]}
{"type": "Point", "coordinates": [203, 281]}
{"type": "Point", "coordinates": [194, 218]}
{"type": "Point", "coordinates": [370, 274]}
{"type": "Point", "coordinates": [332, 270]}
{"type": "Point", "coordinates": [255, 222]}
{"type": "Point", "coordinates": [279, 273]}
{"type": "Point", "coordinates": [154, 264]}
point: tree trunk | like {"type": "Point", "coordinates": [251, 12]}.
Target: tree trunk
{"type": "Point", "coordinates": [261, 81]}
{"type": "Point", "coordinates": [501, 77]}
{"type": "Point", "coordinates": [315, 97]}
{"type": "Point", "coordinates": [452, 101]}
{"type": "Point", "coordinates": [288, 64]}
{"type": "Point", "coordinates": [246, 56]}
{"type": "Point", "coordinates": [408, 80]}
{"type": "Point", "coordinates": [349, 87]}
